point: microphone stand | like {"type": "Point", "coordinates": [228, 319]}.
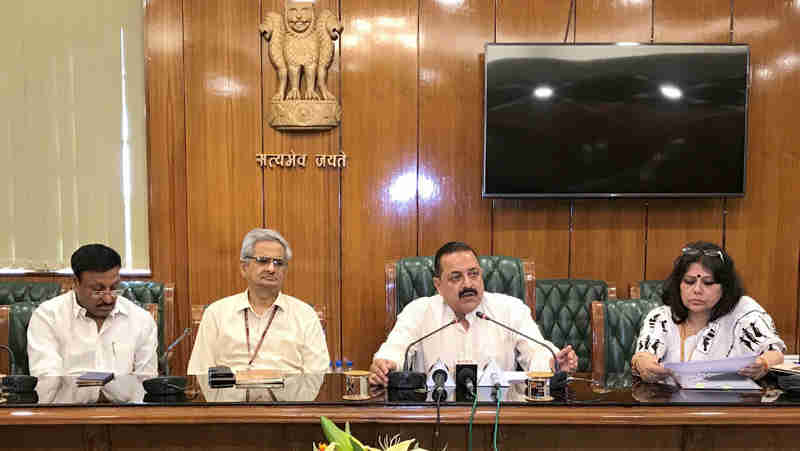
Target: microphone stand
{"type": "Point", "coordinates": [412, 379]}
{"type": "Point", "coordinates": [559, 379]}
{"type": "Point", "coordinates": [167, 385]}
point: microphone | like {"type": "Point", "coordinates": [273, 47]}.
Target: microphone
{"type": "Point", "coordinates": [165, 384]}
{"type": "Point", "coordinates": [439, 377]}
{"type": "Point", "coordinates": [16, 383]}
{"type": "Point", "coordinates": [412, 379]}
{"type": "Point", "coordinates": [465, 381]}
{"type": "Point", "coordinates": [559, 379]}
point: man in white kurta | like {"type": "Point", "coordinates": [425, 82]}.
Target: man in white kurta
{"type": "Point", "coordinates": [92, 328]}
{"type": "Point", "coordinates": [479, 342]}
{"type": "Point", "coordinates": [459, 282]}
{"type": "Point", "coordinates": [261, 328]}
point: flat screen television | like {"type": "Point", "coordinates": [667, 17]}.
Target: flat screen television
{"type": "Point", "coordinates": [614, 120]}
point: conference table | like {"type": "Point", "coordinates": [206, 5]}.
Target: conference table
{"type": "Point", "coordinates": [618, 412]}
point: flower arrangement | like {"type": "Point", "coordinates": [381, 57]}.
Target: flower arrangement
{"type": "Point", "coordinates": [343, 440]}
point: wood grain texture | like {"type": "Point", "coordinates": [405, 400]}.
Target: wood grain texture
{"type": "Point", "coordinates": [380, 189]}
{"type": "Point", "coordinates": [675, 415]}
{"type": "Point", "coordinates": [532, 21]}
{"type": "Point", "coordinates": [671, 223]}
{"type": "Point", "coordinates": [451, 118]}
{"type": "Point", "coordinates": [223, 135]}
{"type": "Point", "coordinates": [613, 20]}
{"type": "Point", "coordinates": [534, 229]}
{"type": "Point", "coordinates": [303, 204]}
{"type": "Point", "coordinates": [761, 232]}
{"type": "Point", "coordinates": [167, 170]}
{"type": "Point", "coordinates": [692, 21]}
{"type": "Point", "coordinates": [608, 241]}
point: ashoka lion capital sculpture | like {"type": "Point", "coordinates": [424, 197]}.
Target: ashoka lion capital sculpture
{"type": "Point", "coordinates": [301, 48]}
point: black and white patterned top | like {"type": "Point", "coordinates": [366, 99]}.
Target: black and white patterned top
{"type": "Point", "coordinates": [747, 330]}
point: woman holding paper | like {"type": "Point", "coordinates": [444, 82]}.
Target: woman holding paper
{"type": "Point", "coordinates": [706, 317]}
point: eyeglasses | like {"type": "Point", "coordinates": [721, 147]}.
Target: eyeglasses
{"type": "Point", "coordinates": [101, 293]}
{"type": "Point", "coordinates": [277, 261]}
{"type": "Point", "coordinates": [706, 252]}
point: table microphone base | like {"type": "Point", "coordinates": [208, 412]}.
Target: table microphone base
{"type": "Point", "coordinates": [17, 383]}
{"type": "Point", "coordinates": [165, 385]}
{"type": "Point", "coordinates": [405, 380]}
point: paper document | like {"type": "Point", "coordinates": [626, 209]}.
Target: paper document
{"type": "Point", "coordinates": [709, 381]}
{"type": "Point", "coordinates": [731, 365]}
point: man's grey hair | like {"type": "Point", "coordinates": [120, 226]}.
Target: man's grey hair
{"type": "Point", "coordinates": [257, 235]}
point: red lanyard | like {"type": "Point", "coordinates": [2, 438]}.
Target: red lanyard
{"type": "Point", "coordinates": [247, 332]}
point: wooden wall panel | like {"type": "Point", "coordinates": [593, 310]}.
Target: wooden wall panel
{"type": "Point", "coordinates": [608, 241]}
{"type": "Point", "coordinates": [451, 38]}
{"type": "Point", "coordinates": [613, 20]}
{"type": "Point", "coordinates": [527, 228]}
{"type": "Point", "coordinates": [671, 223]}
{"type": "Point", "coordinates": [303, 204]}
{"type": "Point", "coordinates": [166, 139]}
{"type": "Point", "coordinates": [608, 236]}
{"type": "Point", "coordinates": [379, 188]}
{"type": "Point", "coordinates": [223, 135]}
{"type": "Point", "coordinates": [692, 21]}
{"type": "Point", "coordinates": [762, 228]}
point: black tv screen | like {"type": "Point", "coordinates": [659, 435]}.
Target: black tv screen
{"type": "Point", "coordinates": [614, 120]}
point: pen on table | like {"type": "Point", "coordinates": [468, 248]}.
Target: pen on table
{"type": "Point", "coordinates": [114, 348]}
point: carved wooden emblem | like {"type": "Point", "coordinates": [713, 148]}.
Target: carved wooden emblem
{"type": "Point", "coordinates": [301, 48]}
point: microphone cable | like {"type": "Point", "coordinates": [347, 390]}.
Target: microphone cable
{"type": "Point", "coordinates": [471, 419]}
{"type": "Point", "coordinates": [436, 426]}
{"type": "Point", "coordinates": [496, 422]}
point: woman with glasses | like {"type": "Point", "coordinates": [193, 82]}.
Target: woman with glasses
{"type": "Point", "coordinates": [705, 316]}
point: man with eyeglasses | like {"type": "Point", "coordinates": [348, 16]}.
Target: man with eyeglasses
{"type": "Point", "coordinates": [261, 328]}
{"type": "Point", "coordinates": [92, 327]}
{"type": "Point", "coordinates": [459, 281]}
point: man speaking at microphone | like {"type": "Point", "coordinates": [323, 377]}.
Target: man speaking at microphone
{"type": "Point", "coordinates": [459, 281]}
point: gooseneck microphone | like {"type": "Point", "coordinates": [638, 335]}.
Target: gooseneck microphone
{"type": "Point", "coordinates": [16, 383]}
{"type": "Point", "coordinates": [165, 384]}
{"type": "Point", "coordinates": [412, 379]}
{"type": "Point", "coordinates": [559, 379]}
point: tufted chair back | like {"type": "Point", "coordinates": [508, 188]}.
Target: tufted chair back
{"type": "Point", "coordinates": [616, 326]}
{"type": "Point", "coordinates": [18, 319]}
{"type": "Point", "coordinates": [22, 291]}
{"type": "Point", "coordinates": [650, 288]}
{"type": "Point", "coordinates": [412, 277]}
{"type": "Point", "coordinates": [563, 313]}
{"type": "Point", "coordinates": [156, 298]}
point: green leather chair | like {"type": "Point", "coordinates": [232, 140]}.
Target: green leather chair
{"type": "Point", "coordinates": [563, 313]}
{"type": "Point", "coordinates": [649, 289]}
{"type": "Point", "coordinates": [615, 329]}
{"type": "Point", "coordinates": [156, 298]}
{"type": "Point", "coordinates": [18, 319]}
{"type": "Point", "coordinates": [412, 277]}
{"type": "Point", "coordinates": [24, 291]}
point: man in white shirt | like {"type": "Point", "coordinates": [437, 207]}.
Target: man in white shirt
{"type": "Point", "coordinates": [92, 327]}
{"type": "Point", "coordinates": [459, 280]}
{"type": "Point", "coordinates": [261, 328]}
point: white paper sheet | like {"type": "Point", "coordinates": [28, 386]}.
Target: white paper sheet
{"type": "Point", "coordinates": [731, 365]}
{"type": "Point", "coordinates": [709, 381]}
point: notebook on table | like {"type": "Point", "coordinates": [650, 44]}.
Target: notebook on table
{"type": "Point", "coordinates": [94, 379]}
